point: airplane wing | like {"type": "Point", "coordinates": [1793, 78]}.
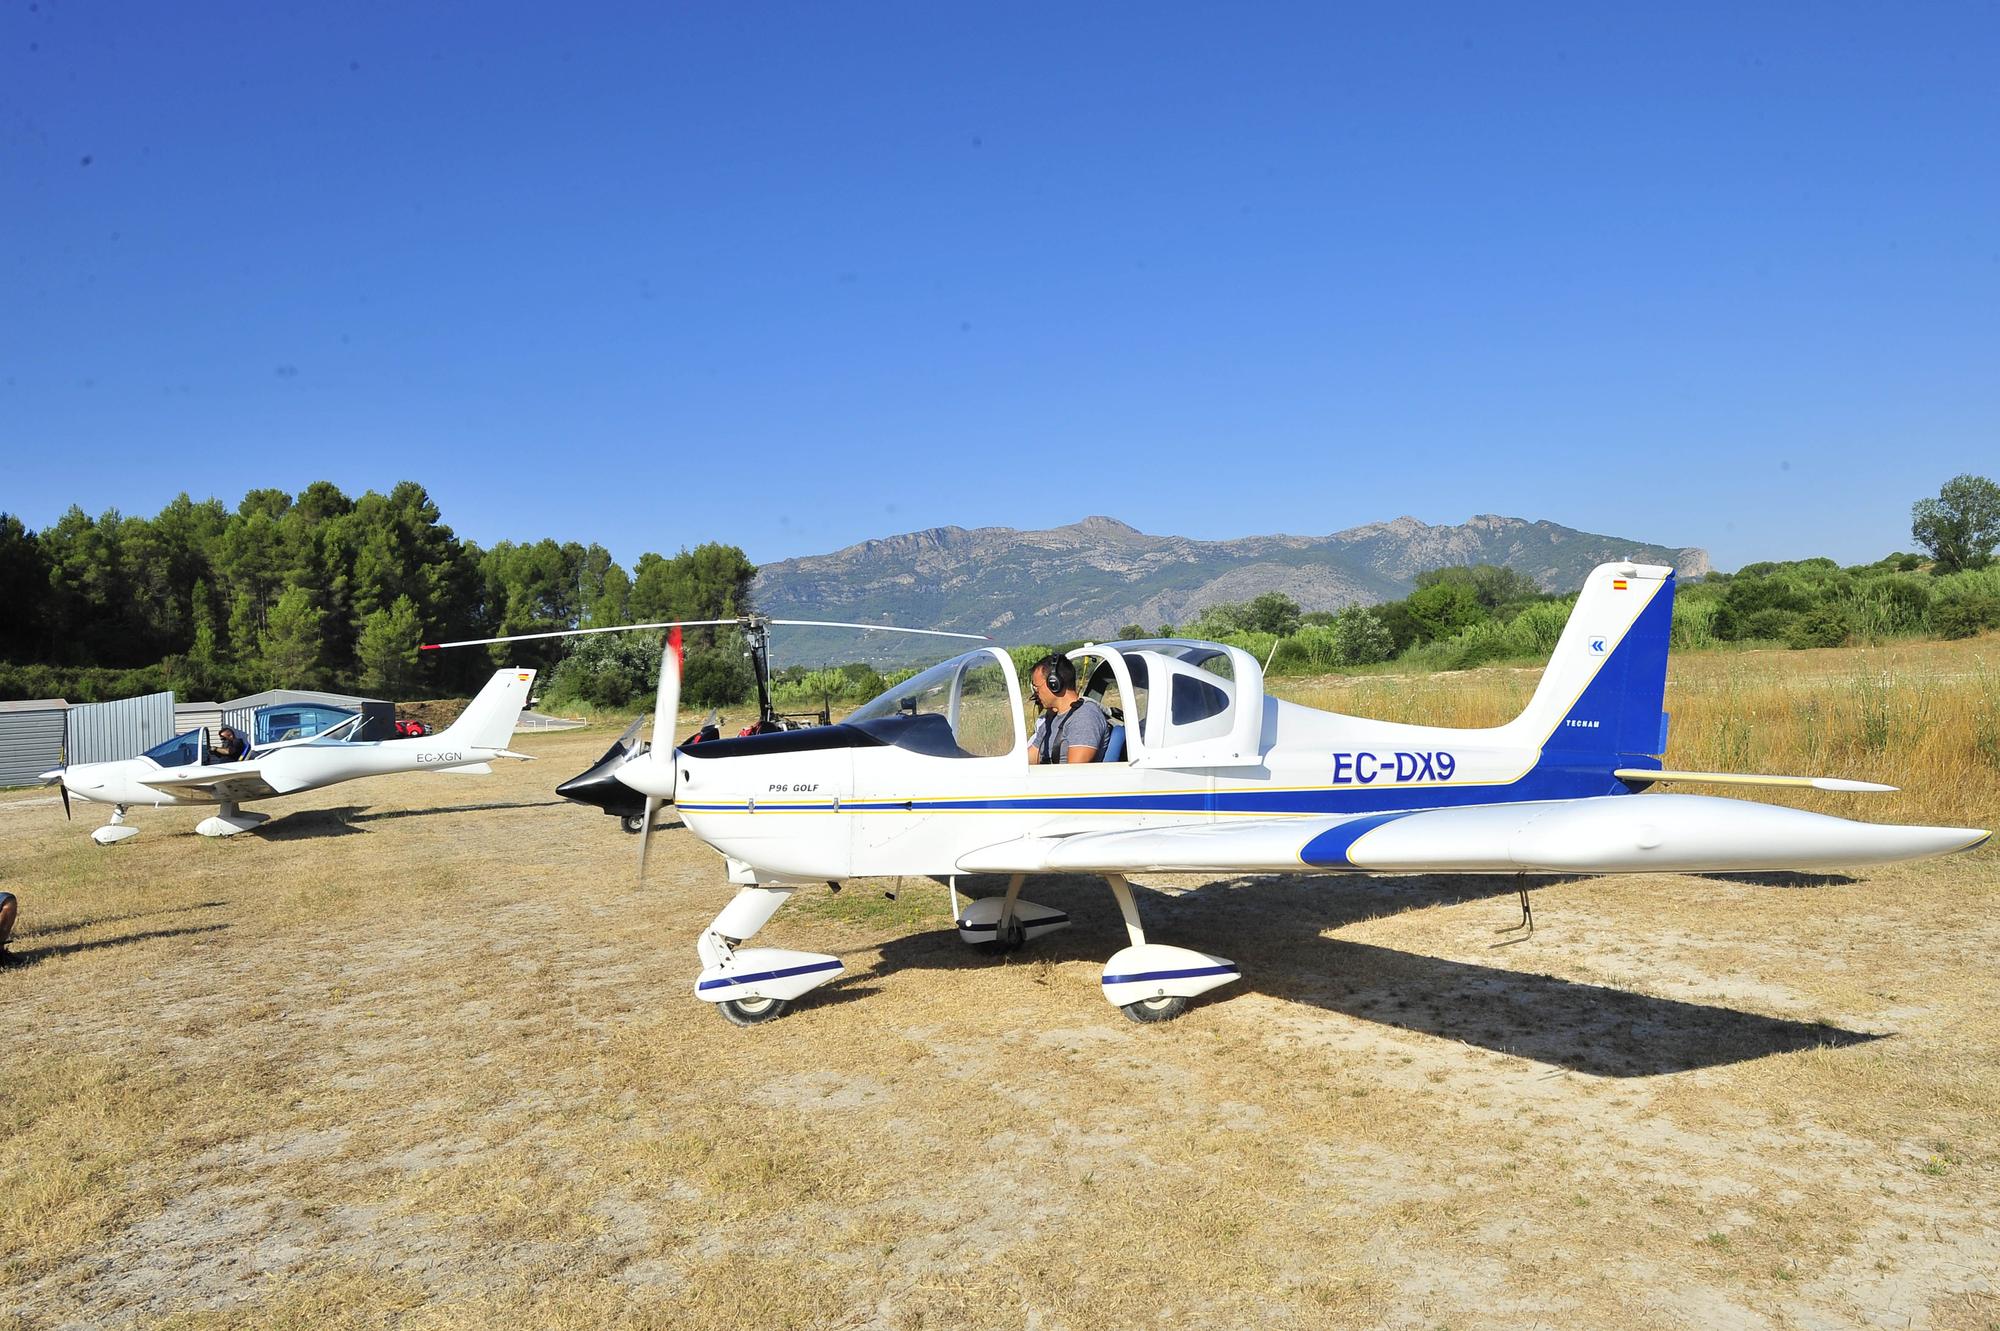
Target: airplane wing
{"type": "Point", "coordinates": [232, 783]}
{"type": "Point", "coordinates": [1607, 834]}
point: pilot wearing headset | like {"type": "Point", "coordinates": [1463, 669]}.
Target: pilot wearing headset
{"type": "Point", "coordinates": [229, 746]}
{"type": "Point", "coordinates": [1073, 729]}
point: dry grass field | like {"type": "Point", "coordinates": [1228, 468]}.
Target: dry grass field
{"type": "Point", "coordinates": [421, 1053]}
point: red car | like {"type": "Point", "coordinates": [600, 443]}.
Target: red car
{"type": "Point", "coordinates": [410, 729]}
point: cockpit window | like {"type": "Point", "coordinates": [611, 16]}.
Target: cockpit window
{"type": "Point", "coordinates": [1196, 700]}
{"type": "Point", "coordinates": [963, 708]}
{"type": "Point", "coordinates": [182, 750]}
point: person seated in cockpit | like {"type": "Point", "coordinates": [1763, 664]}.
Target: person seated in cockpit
{"type": "Point", "coordinates": [229, 746]}
{"type": "Point", "coordinates": [1073, 728]}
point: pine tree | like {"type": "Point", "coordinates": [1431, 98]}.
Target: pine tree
{"type": "Point", "coordinates": [388, 650]}
{"type": "Point", "coordinates": [291, 641]}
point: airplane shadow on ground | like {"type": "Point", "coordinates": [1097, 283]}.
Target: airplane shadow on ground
{"type": "Point", "coordinates": [1274, 929]}
{"type": "Point", "coordinates": [19, 956]}
{"type": "Point", "coordinates": [49, 930]}
{"type": "Point", "coordinates": [310, 823]}
{"type": "Point", "coordinates": [1785, 878]}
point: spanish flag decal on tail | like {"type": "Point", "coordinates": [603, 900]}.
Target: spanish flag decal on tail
{"type": "Point", "coordinates": [1618, 584]}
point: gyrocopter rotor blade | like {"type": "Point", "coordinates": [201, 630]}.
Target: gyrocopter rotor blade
{"type": "Point", "coordinates": [743, 620]}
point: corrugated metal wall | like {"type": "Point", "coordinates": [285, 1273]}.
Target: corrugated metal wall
{"type": "Point", "coordinates": [102, 732]}
{"type": "Point", "coordinates": [31, 742]}
{"type": "Point", "coordinates": [242, 720]}
{"type": "Point", "coordinates": [197, 716]}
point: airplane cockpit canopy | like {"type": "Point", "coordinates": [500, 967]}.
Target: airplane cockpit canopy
{"type": "Point", "coordinates": [967, 707]}
{"type": "Point", "coordinates": [1179, 703]}
{"type": "Point", "coordinates": [183, 750]}
{"type": "Point", "coordinates": [1190, 703]}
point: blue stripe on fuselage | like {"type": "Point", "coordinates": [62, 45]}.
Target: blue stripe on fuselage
{"type": "Point", "coordinates": [1329, 849]}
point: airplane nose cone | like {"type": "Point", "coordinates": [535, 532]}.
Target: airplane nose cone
{"type": "Point", "coordinates": [600, 788]}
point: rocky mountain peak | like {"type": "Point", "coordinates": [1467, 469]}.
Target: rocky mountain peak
{"type": "Point", "coordinates": [1092, 576]}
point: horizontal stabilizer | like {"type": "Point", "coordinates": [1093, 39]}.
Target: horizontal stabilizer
{"type": "Point", "coordinates": [1643, 775]}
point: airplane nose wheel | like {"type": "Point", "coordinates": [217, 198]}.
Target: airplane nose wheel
{"type": "Point", "coordinates": [634, 823]}
{"type": "Point", "coordinates": [752, 1011]}
{"type": "Point", "coordinates": [1148, 1010]}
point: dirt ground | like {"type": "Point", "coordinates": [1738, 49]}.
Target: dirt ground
{"type": "Point", "coordinates": [422, 1052]}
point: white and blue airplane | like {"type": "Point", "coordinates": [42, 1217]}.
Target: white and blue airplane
{"type": "Point", "coordinates": [183, 770]}
{"type": "Point", "coordinates": [1205, 772]}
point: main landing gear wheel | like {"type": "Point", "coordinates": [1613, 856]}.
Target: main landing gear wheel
{"type": "Point", "coordinates": [752, 1011]}
{"type": "Point", "coordinates": [1148, 1010]}
{"type": "Point", "coordinates": [634, 823]}
{"type": "Point", "coordinates": [1009, 937]}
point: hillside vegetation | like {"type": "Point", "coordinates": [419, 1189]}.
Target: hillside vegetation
{"type": "Point", "coordinates": [321, 591]}
{"type": "Point", "coordinates": [1460, 618]}
{"type": "Point", "coordinates": [326, 591]}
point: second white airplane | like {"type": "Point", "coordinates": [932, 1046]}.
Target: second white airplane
{"type": "Point", "coordinates": [184, 771]}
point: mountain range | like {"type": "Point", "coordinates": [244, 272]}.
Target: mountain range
{"type": "Point", "coordinates": [1088, 579]}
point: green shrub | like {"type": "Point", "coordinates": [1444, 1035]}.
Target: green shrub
{"type": "Point", "coordinates": [1825, 625]}
{"type": "Point", "coordinates": [1538, 627]}
{"type": "Point", "coordinates": [606, 670]}
{"type": "Point", "coordinates": [1886, 606]}
{"type": "Point", "coordinates": [812, 689]}
{"type": "Point", "coordinates": [1444, 609]}
{"type": "Point", "coordinates": [1963, 614]}
{"type": "Point", "coordinates": [1773, 624]}
{"type": "Point", "coordinates": [717, 677]}
{"type": "Point", "coordinates": [1361, 637]}
{"type": "Point", "coordinates": [1694, 622]}
{"type": "Point", "coordinates": [1257, 644]}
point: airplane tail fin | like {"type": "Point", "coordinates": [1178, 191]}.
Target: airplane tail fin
{"type": "Point", "coordinates": [488, 720]}
{"type": "Point", "coordinates": [1601, 696]}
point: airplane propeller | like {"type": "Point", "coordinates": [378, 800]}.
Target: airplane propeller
{"type": "Point", "coordinates": [55, 778]}
{"type": "Point", "coordinates": [657, 783]}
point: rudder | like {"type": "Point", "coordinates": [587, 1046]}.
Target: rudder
{"type": "Point", "coordinates": [488, 720]}
{"type": "Point", "coordinates": [1606, 681]}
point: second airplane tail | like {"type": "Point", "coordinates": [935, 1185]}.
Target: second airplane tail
{"type": "Point", "coordinates": [488, 720]}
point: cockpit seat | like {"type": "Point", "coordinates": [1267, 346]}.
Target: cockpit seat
{"type": "Point", "coordinates": [1114, 748]}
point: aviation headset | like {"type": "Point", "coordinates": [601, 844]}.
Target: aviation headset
{"type": "Point", "coordinates": [1058, 672]}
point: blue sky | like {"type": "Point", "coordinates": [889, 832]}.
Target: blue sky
{"type": "Point", "coordinates": [795, 276]}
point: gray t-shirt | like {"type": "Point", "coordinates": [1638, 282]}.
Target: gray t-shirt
{"type": "Point", "coordinates": [1085, 723]}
